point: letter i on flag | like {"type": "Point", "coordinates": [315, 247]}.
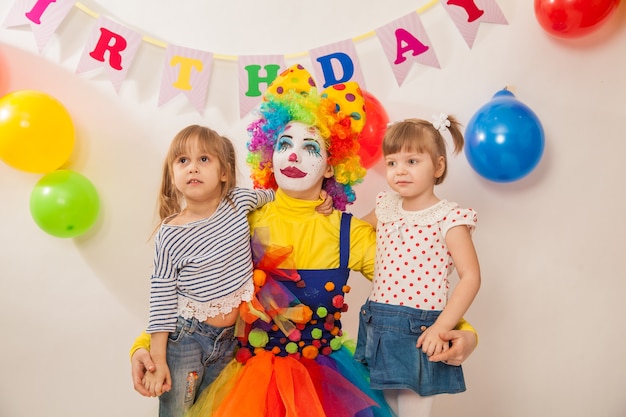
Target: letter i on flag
{"type": "Point", "coordinates": [44, 17]}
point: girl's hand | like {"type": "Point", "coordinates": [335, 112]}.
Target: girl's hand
{"type": "Point", "coordinates": [159, 381]}
{"type": "Point", "coordinates": [326, 206]}
{"type": "Point", "coordinates": [140, 363]}
{"type": "Point", "coordinates": [463, 343]}
{"type": "Point", "coordinates": [430, 342]}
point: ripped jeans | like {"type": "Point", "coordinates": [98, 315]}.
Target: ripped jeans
{"type": "Point", "coordinates": [196, 354]}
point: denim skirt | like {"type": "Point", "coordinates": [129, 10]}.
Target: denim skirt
{"type": "Point", "coordinates": [386, 345]}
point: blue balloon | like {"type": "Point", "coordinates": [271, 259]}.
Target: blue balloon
{"type": "Point", "coordinates": [504, 140]}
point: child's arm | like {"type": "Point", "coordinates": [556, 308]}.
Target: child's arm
{"type": "Point", "coordinates": [463, 253]}
{"type": "Point", "coordinates": [263, 197]}
{"type": "Point", "coordinates": [159, 380]}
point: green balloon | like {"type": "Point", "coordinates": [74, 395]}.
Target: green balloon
{"type": "Point", "coordinates": [64, 204]}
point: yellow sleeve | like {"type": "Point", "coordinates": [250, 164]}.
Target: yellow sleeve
{"type": "Point", "coordinates": [142, 341]}
{"type": "Point", "coordinates": [362, 247]}
{"type": "Point", "coordinates": [464, 325]}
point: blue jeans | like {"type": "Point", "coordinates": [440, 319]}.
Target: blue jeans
{"type": "Point", "coordinates": [386, 345]}
{"type": "Point", "coordinates": [196, 354]}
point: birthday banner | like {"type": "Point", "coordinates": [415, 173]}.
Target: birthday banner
{"type": "Point", "coordinates": [111, 47]}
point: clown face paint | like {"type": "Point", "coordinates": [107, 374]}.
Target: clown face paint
{"type": "Point", "coordinates": [300, 161]}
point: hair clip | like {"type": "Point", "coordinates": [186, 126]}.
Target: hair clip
{"type": "Point", "coordinates": [441, 122]}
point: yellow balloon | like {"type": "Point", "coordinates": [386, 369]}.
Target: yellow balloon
{"type": "Point", "coordinates": [36, 132]}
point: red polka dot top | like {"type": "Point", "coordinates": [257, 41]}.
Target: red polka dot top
{"type": "Point", "coordinates": [412, 259]}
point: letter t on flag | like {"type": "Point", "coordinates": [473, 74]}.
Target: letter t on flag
{"type": "Point", "coordinates": [186, 71]}
{"type": "Point", "coordinates": [112, 46]}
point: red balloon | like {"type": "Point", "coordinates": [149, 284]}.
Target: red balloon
{"type": "Point", "coordinates": [573, 18]}
{"type": "Point", "coordinates": [371, 137]}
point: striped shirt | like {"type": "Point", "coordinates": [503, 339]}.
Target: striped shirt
{"type": "Point", "coordinates": [204, 268]}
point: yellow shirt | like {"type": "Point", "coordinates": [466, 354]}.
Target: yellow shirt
{"type": "Point", "coordinates": [315, 237]}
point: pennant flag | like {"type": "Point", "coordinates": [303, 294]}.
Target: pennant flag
{"type": "Point", "coordinates": [256, 73]}
{"type": "Point", "coordinates": [112, 46]}
{"type": "Point", "coordinates": [467, 15]}
{"type": "Point", "coordinates": [337, 63]}
{"type": "Point", "coordinates": [44, 17]}
{"type": "Point", "coordinates": [404, 42]}
{"type": "Point", "coordinates": [186, 71]}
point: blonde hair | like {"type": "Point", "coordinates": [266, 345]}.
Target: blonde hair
{"type": "Point", "coordinates": [417, 135]}
{"type": "Point", "coordinates": [170, 199]}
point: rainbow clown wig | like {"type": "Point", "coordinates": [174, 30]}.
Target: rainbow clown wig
{"type": "Point", "coordinates": [339, 115]}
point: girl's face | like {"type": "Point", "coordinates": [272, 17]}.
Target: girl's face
{"type": "Point", "coordinates": [300, 161]}
{"type": "Point", "coordinates": [197, 174]}
{"type": "Point", "coordinates": [412, 175]}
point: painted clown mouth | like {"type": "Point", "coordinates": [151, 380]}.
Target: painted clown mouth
{"type": "Point", "coordinates": [292, 172]}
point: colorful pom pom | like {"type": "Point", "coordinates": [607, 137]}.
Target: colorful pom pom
{"type": "Point", "coordinates": [335, 343]}
{"type": "Point", "coordinates": [258, 338]}
{"type": "Point", "coordinates": [316, 333]}
{"type": "Point", "coordinates": [295, 335]}
{"type": "Point", "coordinates": [338, 301]}
{"type": "Point", "coordinates": [259, 276]}
{"type": "Point", "coordinates": [291, 347]}
{"type": "Point", "coordinates": [310, 352]}
{"type": "Point", "coordinates": [243, 355]}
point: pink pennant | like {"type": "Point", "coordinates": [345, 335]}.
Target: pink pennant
{"type": "Point", "coordinates": [337, 63]}
{"type": "Point", "coordinates": [467, 15]}
{"type": "Point", "coordinates": [112, 46]}
{"type": "Point", "coordinates": [186, 71]}
{"type": "Point", "coordinates": [256, 72]}
{"type": "Point", "coordinates": [44, 17]}
{"type": "Point", "coordinates": [404, 42]}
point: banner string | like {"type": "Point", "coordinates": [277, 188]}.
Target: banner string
{"type": "Point", "coordinates": [162, 44]}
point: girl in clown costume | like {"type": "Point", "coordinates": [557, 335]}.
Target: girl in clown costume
{"type": "Point", "coordinates": [292, 359]}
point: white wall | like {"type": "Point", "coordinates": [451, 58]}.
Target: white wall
{"type": "Point", "coordinates": [551, 245]}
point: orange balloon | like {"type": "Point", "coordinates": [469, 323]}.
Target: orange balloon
{"type": "Point", "coordinates": [36, 132]}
